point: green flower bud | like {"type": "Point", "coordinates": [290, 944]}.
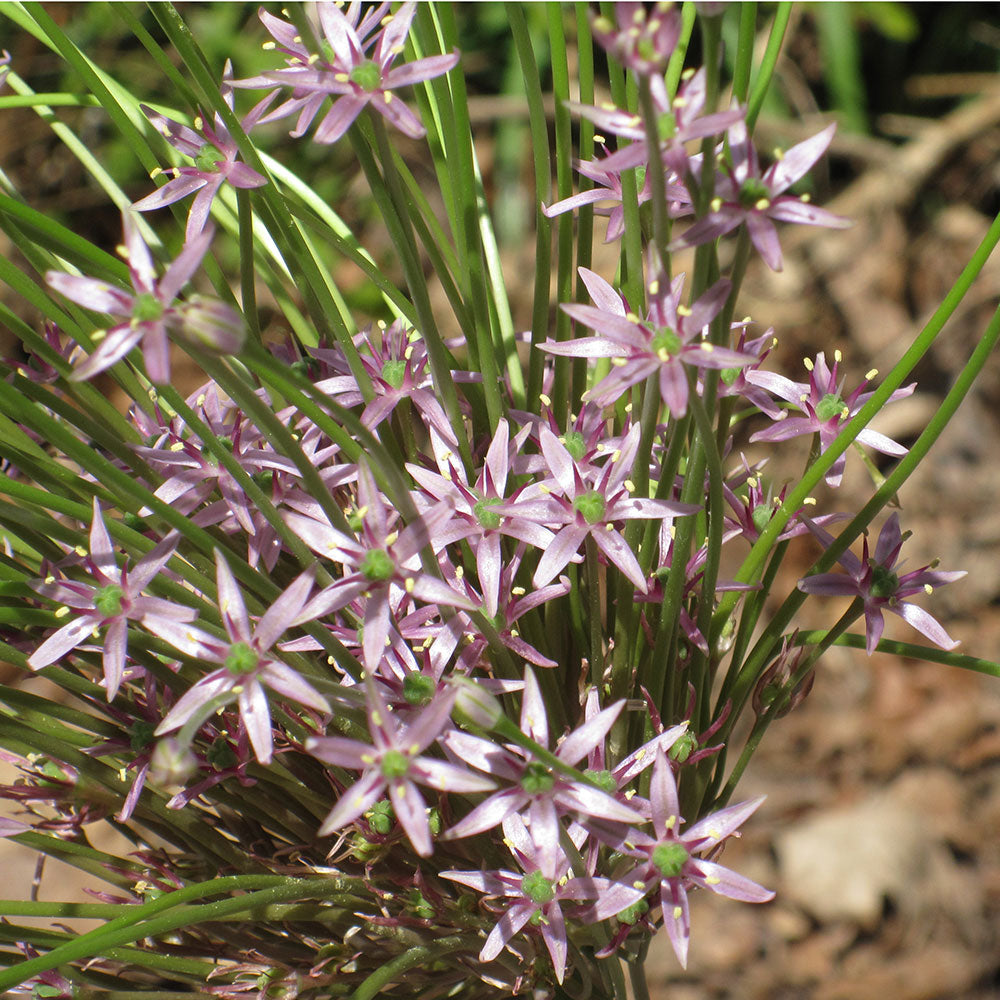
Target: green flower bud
{"type": "Point", "coordinates": [211, 325]}
{"type": "Point", "coordinates": [475, 706]}
{"type": "Point", "coordinates": [171, 764]}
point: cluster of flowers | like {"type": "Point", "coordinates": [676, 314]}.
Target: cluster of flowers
{"type": "Point", "coordinates": [396, 658]}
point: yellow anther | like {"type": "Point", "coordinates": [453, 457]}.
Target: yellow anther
{"type": "Point", "coordinates": [837, 356]}
{"type": "Point", "coordinates": [869, 375]}
{"type": "Point", "coordinates": [808, 363]}
{"type": "Point", "coordinates": [715, 204]}
{"type": "Point", "coordinates": [62, 612]}
{"type": "Point", "coordinates": [762, 204]}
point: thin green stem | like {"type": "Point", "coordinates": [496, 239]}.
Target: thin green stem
{"type": "Point", "coordinates": [762, 83]}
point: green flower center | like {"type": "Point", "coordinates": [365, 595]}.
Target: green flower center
{"type": "Point", "coordinates": [575, 445]}
{"type": "Point", "coordinates": [146, 308]}
{"type": "Point", "coordinates": [761, 515]}
{"type": "Point", "coordinates": [831, 405]}
{"type": "Point", "coordinates": [377, 566]}
{"type": "Point", "coordinates": [665, 343]}
{"type": "Point", "coordinates": [486, 517]}
{"type": "Point", "coordinates": [730, 375]}
{"type": "Point", "coordinates": [667, 125]}
{"type": "Point", "coordinates": [141, 735]}
{"type": "Point", "coordinates": [394, 764]}
{"type": "Point", "coordinates": [752, 191]}
{"type": "Point", "coordinates": [632, 913]}
{"type": "Point", "coordinates": [241, 659]}
{"type": "Point", "coordinates": [394, 372]}
{"type": "Point", "coordinates": [221, 755]}
{"type": "Point", "coordinates": [108, 600]}
{"type": "Point", "coordinates": [418, 689]}
{"type": "Point", "coordinates": [885, 583]}
{"type": "Point", "coordinates": [538, 888]}
{"type": "Point", "coordinates": [367, 76]}
{"type": "Point", "coordinates": [605, 780]}
{"type": "Point", "coordinates": [681, 750]}
{"type": "Point", "coordinates": [207, 158]}
{"type": "Point", "coordinates": [670, 859]}
{"type": "Point", "coordinates": [537, 778]}
{"type": "Point", "coordinates": [591, 506]}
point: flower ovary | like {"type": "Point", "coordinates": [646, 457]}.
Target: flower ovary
{"type": "Point", "coordinates": [537, 778]}
{"type": "Point", "coordinates": [108, 600]}
{"type": "Point", "coordinates": [146, 308]}
{"type": "Point", "coordinates": [394, 372]}
{"type": "Point", "coordinates": [670, 858]}
{"type": "Point", "coordinates": [885, 583]}
{"type": "Point", "coordinates": [830, 406]}
{"type": "Point", "coordinates": [538, 888]}
{"type": "Point", "coordinates": [591, 506]}
{"type": "Point", "coordinates": [367, 76]}
{"type": "Point", "coordinates": [394, 764]}
{"type": "Point", "coordinates": [486, 517]}
{"type": "Point", "coordinates": [377, 566]}
{"type": "Point", "coordinates": [241, 659]}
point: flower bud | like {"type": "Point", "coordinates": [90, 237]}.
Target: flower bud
{"type": "Point", "coordinates": [475, 706]}
{"type": "Point", "coordinates": [171, 764]}
{"type": "Point", "coordinates": [211, 325]}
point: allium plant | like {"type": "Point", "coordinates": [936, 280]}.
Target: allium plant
{"type": "Point", "coordinates": [392, 637]}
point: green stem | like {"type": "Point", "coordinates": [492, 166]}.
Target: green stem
{"type": "Point", "coordinates": [921, 344]}
{"type": "Point", "coordinates": [773, 710]}
{"type": "Point", "coordinates": [762, 83]}
{"type": "Point", "coordinates": [417, 955]}
{"type": "Point", "coordinates": [159, 916]}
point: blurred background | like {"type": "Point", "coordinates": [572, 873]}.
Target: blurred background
{"type": "Point", "coordinates": [881, 831]}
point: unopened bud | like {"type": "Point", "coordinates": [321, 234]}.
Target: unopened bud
{"type": "Point", "coordinates": [475, 706]}
{"type": "Point", "coordinates": [171, 764]}
{"type": "Point", "coordinates": [211, 325]}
